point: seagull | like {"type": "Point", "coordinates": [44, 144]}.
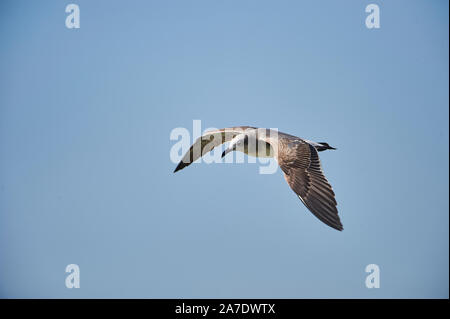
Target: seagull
{"type": "Point", "coordinates": [298, 159]}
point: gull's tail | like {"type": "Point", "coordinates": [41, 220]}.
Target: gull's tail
{"type": "Point", "coordinates": [323, 146]}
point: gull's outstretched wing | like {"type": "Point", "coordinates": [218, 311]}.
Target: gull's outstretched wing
{"type": "Point", "coordinates": [208, 141]}
{"type": "Point", "coordinates": [300, 163]}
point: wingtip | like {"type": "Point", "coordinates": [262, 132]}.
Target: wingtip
{"type": "Point", "coordinates": [177, 168]}
{"type": "Point", "coordinates": [180, 166]}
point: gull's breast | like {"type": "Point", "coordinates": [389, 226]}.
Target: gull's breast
{"type": "Point", "coordinates": [259, 149]}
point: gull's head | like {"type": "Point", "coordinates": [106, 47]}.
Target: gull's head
{"type": "Point", "coordinates": [238, 143]}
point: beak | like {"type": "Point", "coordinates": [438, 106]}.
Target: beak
{"type": "Point", "coordinates": [228, 150]}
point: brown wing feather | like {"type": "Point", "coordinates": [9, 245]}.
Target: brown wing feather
{"type": "Point", "coordinates": [302, 170]}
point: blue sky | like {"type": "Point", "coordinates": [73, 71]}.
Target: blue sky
{"type": "Point", "coordinates": [86, 177]}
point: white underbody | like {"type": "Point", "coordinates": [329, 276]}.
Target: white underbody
{"type": "Point", "coordinates": [255, 147]}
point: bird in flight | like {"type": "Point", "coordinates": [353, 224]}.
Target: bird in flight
{"type": "Point", "coordinates": [298, 159]}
